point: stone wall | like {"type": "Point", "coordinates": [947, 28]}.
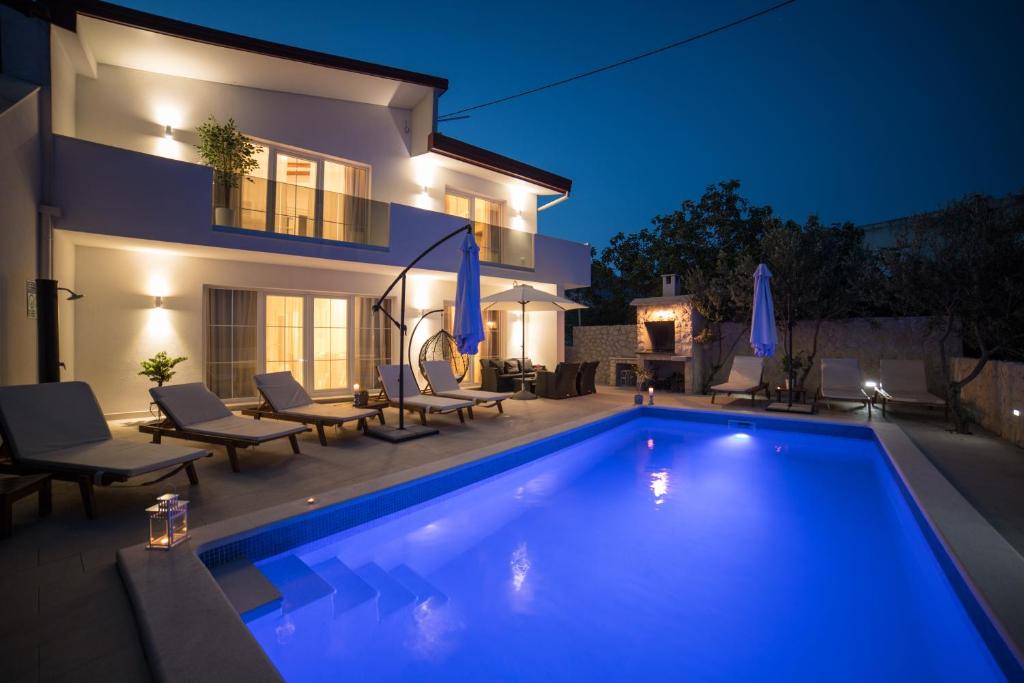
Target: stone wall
{"type": "Point", "coordinates": [866, 339]}
{"type": "Point", "coordinates": [680, 312]}
{"type": "Point", "coordinates": [993, 396]}
{"type": "Point", "coordinates": [601, 342]}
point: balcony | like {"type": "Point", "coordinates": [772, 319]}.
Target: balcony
{"type": "Point", "coordinates": [284, 208]}
{"type": "Point", "coordinates": [504, 246]}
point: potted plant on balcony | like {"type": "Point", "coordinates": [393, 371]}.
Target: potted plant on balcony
{"type": "Point", "coordinates": [232, 155]}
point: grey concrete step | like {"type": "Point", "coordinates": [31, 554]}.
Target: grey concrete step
{"type": "Point", "coordinates": [350, 591]}
{"type": "Point", "coordinates": [298, 583]}
{"type": "Point", "coordinates": [250, 592]}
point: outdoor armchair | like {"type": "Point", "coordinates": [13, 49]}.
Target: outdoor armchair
{"type": "Point", "coordinates": [558, 384]}
{"type": "Point", "coordinates": [58, 429]}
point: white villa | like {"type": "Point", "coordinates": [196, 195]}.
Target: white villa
{"type": "Point", "coordinates": [103, 193]}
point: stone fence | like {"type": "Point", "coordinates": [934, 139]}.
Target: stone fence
{"type": "Point", "coordinates": [866, 339]}
{"type": "Point", "coordinates": [993, 396]}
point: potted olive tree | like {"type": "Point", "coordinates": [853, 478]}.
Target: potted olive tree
{"type": "Point", "coordinates": [160, 369]}
{"type": "Point", "coordinates": [232, 155]}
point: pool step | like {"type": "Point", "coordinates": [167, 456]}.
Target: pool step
{"type": "Point", "coordinates": [350, 591]}
{"type": "Point", "coordinates": [297, 581]}
{"type": "Point", "coordinates": [419, 586]}
{"type": "Point", "coordinates": [392, 595]}
{"type": "Point", "coordinates": [248, 590]}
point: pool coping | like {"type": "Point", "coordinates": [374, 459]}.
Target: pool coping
{"type": "Point", "coordinates": [190, 631]}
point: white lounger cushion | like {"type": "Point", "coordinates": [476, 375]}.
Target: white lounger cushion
{"type": "Point", "coordinates": [744, 375]}
{"type": "Point", "coordinates": [413, 397]}
{"type": "Point", "coordinates": [841, 380]}
{"type": "Point", "coordinates": [443, 382]}
{"type": "Point", "coordinates": [287, 396]}
{"type": "Point", "coordinates": [193, 408]}
{"type": "Point", "coordinates": [59, 425]}
{"type": "Point", "coordinates": [903, 381]}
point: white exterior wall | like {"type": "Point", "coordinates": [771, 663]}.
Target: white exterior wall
{"type": "Point", "coordinates": [116, 325]}
{"type": "Point", "coordinates": [20, 163]}
{"type": "Point", "coordinates": [128, 108]}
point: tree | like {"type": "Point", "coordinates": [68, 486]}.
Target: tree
{"type": "Point", "coordinates": [962, 267]}
{"type": "Point", "coordinates": [230, 153]}
{"type": "Point", "coordinates": [819, 272]}
{"type": "Point", "coordinates": [160, 368]}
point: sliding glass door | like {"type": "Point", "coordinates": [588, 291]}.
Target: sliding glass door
{"type": "Point", "coordinates": [284, 335]}
{"type": "Point", "coordinates": [330, 344]}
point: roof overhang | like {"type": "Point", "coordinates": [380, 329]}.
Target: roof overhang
{"type": "Point", "coordinates": [138, 40]}
{"type": "Point", "coordinates": [450, 148]}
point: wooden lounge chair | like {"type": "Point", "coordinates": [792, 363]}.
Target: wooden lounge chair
{"type": "Point", "coordinates": [443, 383]}
{"type": "Point", "coordinates": [58, 429]}
{"type": "Point", "coordinates": [746, 376]}
{"type": "Point", "coordinates": [285, 399]}
{"type": "Point", "coordinates": [841, 380]}
{"type": "Point", "coordinates": [194, 413]}
{"type": "Point", "coordinates": [903, 381]}
{"type": "Point", "coordinates": [416, 401]}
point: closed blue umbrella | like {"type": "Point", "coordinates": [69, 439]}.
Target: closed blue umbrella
{"type": "Point", "coordinates": [763, 337]}
{"type": "Point", "coordinates": [469, 322]}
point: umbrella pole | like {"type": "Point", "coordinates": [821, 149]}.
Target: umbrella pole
{"type": "Point", "coordinates": [403, 432]}
{"type": "Point", "coordinates": [523, 394]}
{"type": "Point", "coordinates": [789, 343]}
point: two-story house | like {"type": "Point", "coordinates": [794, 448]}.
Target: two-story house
{"type": "Point", "coordinates": [104, 193]}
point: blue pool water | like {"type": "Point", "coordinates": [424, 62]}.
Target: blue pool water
{"type": "Point", "coordinates": [659, 549]}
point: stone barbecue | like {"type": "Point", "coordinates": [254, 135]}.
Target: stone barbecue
{"type": "Point", "coordinates": [665, 328]}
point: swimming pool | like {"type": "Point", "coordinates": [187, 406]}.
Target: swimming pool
{"type": "Point", "coordinates": [656, 548]}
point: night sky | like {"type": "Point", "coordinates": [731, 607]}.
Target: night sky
{"type": "Point", "coordinates": [855, 110]}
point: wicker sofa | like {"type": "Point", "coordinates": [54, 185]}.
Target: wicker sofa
{"type": "Point", "coordinates": [503, 374]}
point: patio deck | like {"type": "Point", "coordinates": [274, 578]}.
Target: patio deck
{"type": "Point", "coordinates": [68, 616]}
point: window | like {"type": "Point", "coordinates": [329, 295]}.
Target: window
{"type": "Point", "coordinates": [231, 342]}
{"type": "Point", "coordinates": [372, 341]}
{"type": "Point", "coordinates": [284, 335]}
{"type": "Point", "coordinates": [330, 343]}
{"type": "Point", "coordinates": [487, 216]}
{"type": "Point", "coordinates": [300, 193]}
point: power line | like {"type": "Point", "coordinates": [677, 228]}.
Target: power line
{"type": "Point", "coordinates": [693, 38]}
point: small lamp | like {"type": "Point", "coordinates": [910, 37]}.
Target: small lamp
{"type": "Point", "coordinates": [650, 396]}
{"type": "Point", "coordinates": [158, 302]}
{"type": "Point", "coordinates": [168, 522]}
{"type": "Point", "coordinates": [168, 131]}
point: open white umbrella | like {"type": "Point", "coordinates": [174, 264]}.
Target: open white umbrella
{"type": "Point", "coordinates": [526, 298]}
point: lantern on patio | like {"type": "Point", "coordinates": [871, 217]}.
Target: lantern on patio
{"type": "Point", "coordinates": [168, 522]}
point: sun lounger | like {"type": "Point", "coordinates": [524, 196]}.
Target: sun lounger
{"type": "Point", "coordinates": [443, 383]}
{"type": "Point", "coordinates": [841, 380]}
{"type": "Point", "coordinates": [58, 429]}
{"type": "Point", "coordinates": [416, 401]}
{"type": "Point", "coordinates": [285, 399]}
{"type": "Point", "coordinates": [196, 414]}
{"type": "Point", "coordinates": [745, 377]}
{"type": "Point", "coordinates": [903, 381]}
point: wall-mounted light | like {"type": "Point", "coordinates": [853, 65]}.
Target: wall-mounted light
{"type": "Point", "coordinates": [491, 324]}
{"type": "Point", "coordinates": [158, 302]}
{"type": "Point", "coordinates": [168, 131]}
{"type": "Point", "coordinates": [871, 384]}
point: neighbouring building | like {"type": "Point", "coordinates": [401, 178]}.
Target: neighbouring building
{"type": "Point", "coordinates": [102, 191]}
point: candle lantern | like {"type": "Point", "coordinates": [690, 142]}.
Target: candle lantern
{"type": "Point", "coordinates": [168, 522]}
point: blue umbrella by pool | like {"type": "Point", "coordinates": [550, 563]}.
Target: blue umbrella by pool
{"type": "Point", "coordinates": [469, 322]}
{"type": "Point", "coordinates": [763, 337]}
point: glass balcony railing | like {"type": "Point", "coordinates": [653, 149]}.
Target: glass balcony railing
{"type": "Point", "coordinates": [504, 246]}
{"type": "Point", "coordinates": [291, 209]}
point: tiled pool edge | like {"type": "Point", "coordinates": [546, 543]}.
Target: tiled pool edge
{"type": "Point", "coordinates": [169, 590]}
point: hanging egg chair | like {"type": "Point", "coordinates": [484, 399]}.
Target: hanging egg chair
{"type": "Point", "coordinates": [442, 346]}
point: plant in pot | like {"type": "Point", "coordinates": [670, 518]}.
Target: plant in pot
{"type": "Point", "coordinates": [232, 156]}
{"type": "Point", "coordinates": [794, 366]}
{"type": "Point", "coordinates": [160, 369]}
{"type": "Point", "coordinates": [643, 377]}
